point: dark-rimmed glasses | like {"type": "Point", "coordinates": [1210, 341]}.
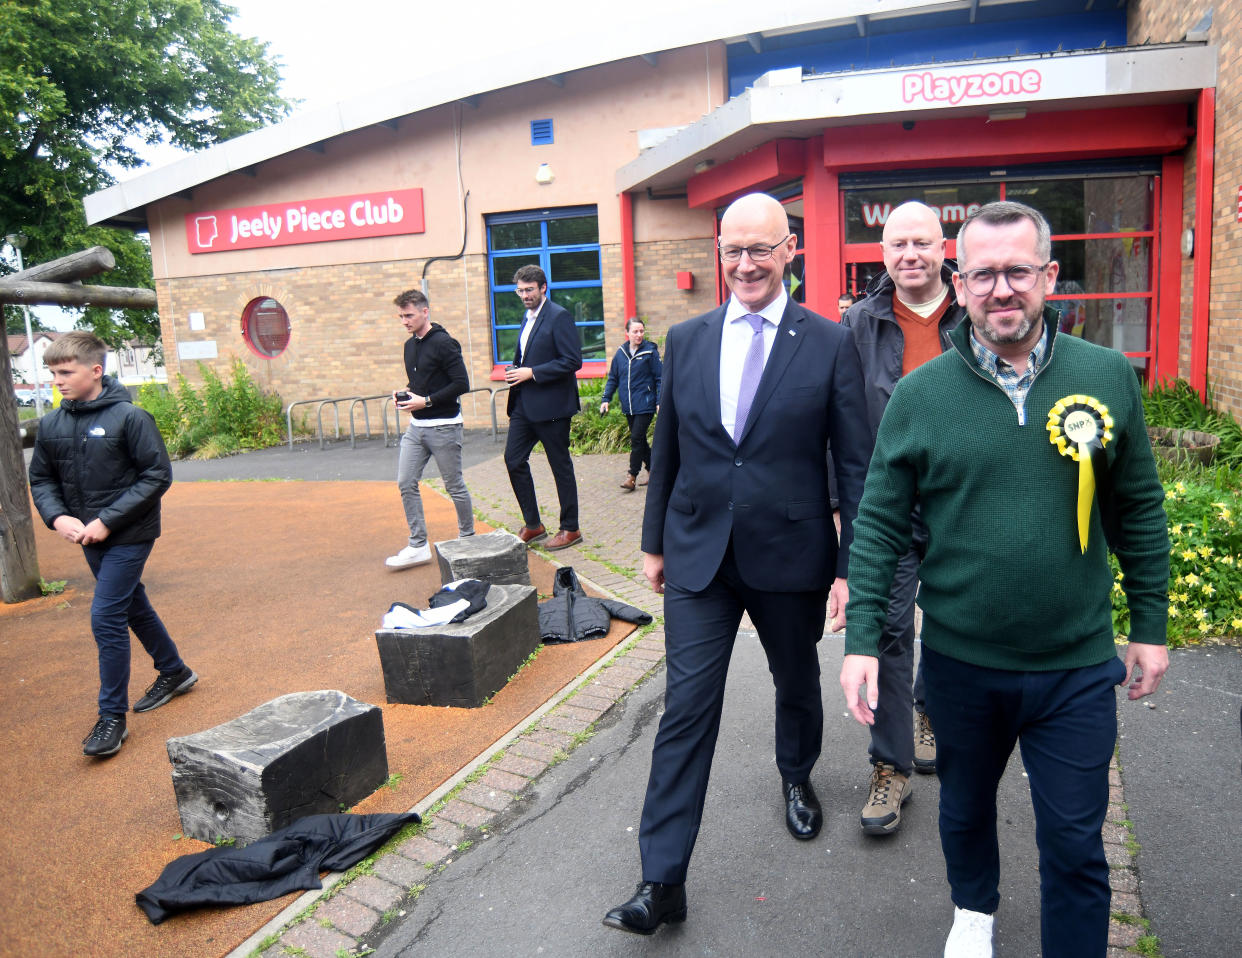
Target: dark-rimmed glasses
{"type": "Point", "coordinates": [758, 253]}
{"type": "Point", "coordinates": [1021, 278]}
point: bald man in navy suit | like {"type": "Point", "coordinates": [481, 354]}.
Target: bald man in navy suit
{"type": "Point", "coordinates": [739, 520]}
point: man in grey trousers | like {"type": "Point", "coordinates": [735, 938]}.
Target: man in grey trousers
{"type": "Point", "coordinates": [436, 377]}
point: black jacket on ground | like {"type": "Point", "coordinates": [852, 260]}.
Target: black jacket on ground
{"type": "Point", "coordinates": [103, 459]}
{"type": "Point", "coordinates": [571, 615]}
{"type": "Point", "coordinates": [289, 859]}
{"type": "Point", "coordinates": [434, 368]}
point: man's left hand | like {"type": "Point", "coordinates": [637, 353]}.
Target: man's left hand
{"type": "Point", "coordinates": [95, 531]}
{"type": "Point", "coordinates": [1152, 662]}
{"type": "Point", "coordinates": [838, 596]}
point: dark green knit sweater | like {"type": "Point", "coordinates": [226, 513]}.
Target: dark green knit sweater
{"type": "Point", "coordinates": [1004, 583]}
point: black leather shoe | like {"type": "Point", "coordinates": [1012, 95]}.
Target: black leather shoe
{"type": "Point", "coordinates": [652, 905]}
{"type": "Point", "coordinates": [803, 816]}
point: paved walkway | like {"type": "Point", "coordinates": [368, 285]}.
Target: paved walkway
{"type": "Point", "coordinates": [524, 852]}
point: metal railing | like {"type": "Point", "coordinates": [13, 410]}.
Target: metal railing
{"type": "Point", "coordinates": [386, 406]}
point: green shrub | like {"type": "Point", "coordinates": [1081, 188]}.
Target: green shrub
{"type": "Point", "coordinates": [1176, 406]}
{"type": "Point", "coordinates": [591, 432]}
{"type": "Point", "coordinates": [1205, 563]}
{"type": "Point", "coordinates": [218, 419]}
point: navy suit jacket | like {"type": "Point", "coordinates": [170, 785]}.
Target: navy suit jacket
{"type": "Point", "coordinates": [554, 354]}
{"type": "Point", "coordinates": [768, 492]}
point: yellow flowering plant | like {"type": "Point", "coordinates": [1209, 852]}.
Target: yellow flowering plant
{"type": "Point", "coordinates": [1205, 563]}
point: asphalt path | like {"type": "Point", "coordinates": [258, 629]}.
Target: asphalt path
{"type": "Point", "coordinates": [1181, 760]}
{"type": "Point", "coordinates": [541, 882]}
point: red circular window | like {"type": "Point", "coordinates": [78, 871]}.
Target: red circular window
{"type": "Point", "coordinates": [265, 324]}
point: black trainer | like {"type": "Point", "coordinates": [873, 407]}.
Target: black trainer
{"type": "Point", "coordinates": [106, 737]}
{"type": "Point", "coordinates": [165, 687]}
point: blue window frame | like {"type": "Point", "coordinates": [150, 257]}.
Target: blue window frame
{"type": "Point", "coordinates": [565, 244]}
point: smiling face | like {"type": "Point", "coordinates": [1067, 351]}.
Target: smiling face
{"type": "Point", "coordinates": [1009, 322]}
{"type": "Point", "coordinates": [76, 380]}
{"type": "Point", "coordinates": [756, 220]}
{"type": "Point", "coordinates": [914, 252]}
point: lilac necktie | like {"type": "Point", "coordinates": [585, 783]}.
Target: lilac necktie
{"type": "Point", "coordinates": [752, 370]}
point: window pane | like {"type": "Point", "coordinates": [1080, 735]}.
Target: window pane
{"type": "Point", "coordinates": [573, 267]}
{"type": "Point", "coordinates": [592, 342]}
{"type": "Point", "coordinates": [867, 210]}
{"type": "Point", "coordinates": [1116, 265]}
{"type": "Point", "coordinates": [506, 344]}
{"type": "Point", "coordinates": [585, 305]}
{"type": "Point", "coordinates": [1107, 205]}
{"type": "Point", "coordinates": [503, 267]}
{"type": "Point", "coordinates": [515, 235]}
{"type": "Point", "coordinates": [794, 283]}
{"type": "Point", "coordinates": [573, 231]}
{"type": "Point", "coordinates": [507, 309]}
{"type": "Point", "coordinates": [266, 327]}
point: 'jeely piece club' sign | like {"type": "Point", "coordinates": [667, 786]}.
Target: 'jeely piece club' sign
{"type": "Point", "coordinates": [390, 213]}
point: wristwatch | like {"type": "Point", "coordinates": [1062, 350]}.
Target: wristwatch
{"type": "Point", "coordinates": [426, 402]}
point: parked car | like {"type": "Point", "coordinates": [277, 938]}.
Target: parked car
{"type": "Point", "coordinates": [26, 395]}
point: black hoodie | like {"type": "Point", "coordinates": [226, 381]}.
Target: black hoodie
{"type": "Point", "coordinates": [435, 369]}
{"type": "Point", "coordinates": [101, 458]}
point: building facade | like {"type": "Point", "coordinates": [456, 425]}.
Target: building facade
{"type": "Point", "coordinates": [610, 166]}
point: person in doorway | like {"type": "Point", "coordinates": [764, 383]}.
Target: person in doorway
{"type": "Point", "coordinates": [738, 520]}
{"type": "Point", "coordinates": [844, 302]}
{"type": "Point", "coordinates": [635, 377]}
{"type": "Point", "coordinates": [904, 320]}
{"type": "Point", "coordinates": [436, 379]}
{"type": "Point", "coordinates": [97, 475]}
{"type": "Point", "coordinates": [543, 398]}
{"type": "Point", "coordinates": [1028, 452]}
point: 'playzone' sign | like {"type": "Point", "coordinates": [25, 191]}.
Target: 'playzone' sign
{"type": "Point", "coordinates": [306, 221]}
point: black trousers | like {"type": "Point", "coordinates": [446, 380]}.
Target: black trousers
{"type": "Point", "coordinates": [554, 434]}
{"type": "Point", "coordinates": [699, 629]}
{"type": "Point", "coordinates": [640, 452]}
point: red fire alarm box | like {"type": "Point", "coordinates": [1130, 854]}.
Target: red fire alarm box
{"type": "Point", "coordinates": [685, 279]}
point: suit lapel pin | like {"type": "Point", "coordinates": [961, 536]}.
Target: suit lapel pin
{"type": "Point", "coordinates": [792, 333]}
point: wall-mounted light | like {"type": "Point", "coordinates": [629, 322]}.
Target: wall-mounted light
{"type": "Point", "coordinates": [704, 165]}
{"type": "Point", "coordinates": [1017, 113]}
{"type": "Point", "coordinates": [544, 174]}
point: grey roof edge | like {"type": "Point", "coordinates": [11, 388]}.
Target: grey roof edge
{"type": "Point", "coordinates": [1134, 71]}
{"type": "Point", "coordinates": [678, 28]}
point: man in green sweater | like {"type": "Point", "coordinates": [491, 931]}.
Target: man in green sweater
{"type": "Point", "coordinates": [1028, 455]}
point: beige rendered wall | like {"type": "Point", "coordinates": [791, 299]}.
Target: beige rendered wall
{"type": "Point", "coordinates": [345, 337]}
{"type": "Point", "coordinates": [1167, 21]}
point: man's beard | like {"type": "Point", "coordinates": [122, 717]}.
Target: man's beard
{"type": "Point", "coordinates": [986, 331]}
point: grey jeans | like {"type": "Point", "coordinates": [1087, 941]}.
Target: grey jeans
{"type": "Point", "coordinates": [443, 443]}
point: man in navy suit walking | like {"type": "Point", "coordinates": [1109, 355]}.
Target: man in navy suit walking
{"type": "Point", "coordinates": [738, 519]}
{"type": "Point", "coordinates": [542, 399]}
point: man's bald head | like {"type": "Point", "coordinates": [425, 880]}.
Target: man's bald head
{"type": "Point", "coordinates": [755, 224]}
{"type": "Point", "coordinates": [914, 252]}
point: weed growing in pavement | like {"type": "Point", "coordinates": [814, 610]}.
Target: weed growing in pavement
{"type": "Point", "coordinates": [51, 588]}
{"type": "Point", "coordinates": [1149, 946]}
{"type": "Point", "coordinates": [264, 944]}
{"type": "Point", "coordinates": [221, 842]}
{"type": "Point", "coordinates": [393, 782]}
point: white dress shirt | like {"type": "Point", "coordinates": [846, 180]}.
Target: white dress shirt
{"type": "Point", "coordinates": [735, 343]}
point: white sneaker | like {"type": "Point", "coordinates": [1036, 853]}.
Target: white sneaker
{"type": "Point", "coordinates": [410, 555]}
{"type": "Point", "coordinates": [970, 936]}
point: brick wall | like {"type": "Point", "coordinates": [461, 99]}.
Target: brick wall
{"type": "Point", "coordinates": [1167, 21]}
{"type": "Point", "coordinates": [660, 302]}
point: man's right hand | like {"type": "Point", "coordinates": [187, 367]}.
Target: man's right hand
{"type": "Point", "coordinates": [653, 569]}
{"type": "Point", "coordinates": [857, 671]}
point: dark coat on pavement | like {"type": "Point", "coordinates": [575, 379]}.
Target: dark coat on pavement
{"type": "Point", "coordinates": [571, 615]}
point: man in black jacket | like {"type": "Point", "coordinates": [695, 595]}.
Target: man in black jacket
{"type": "Point", "coordinates": [97, 474]}
{"type": "Point", "coordinates": [904, 320]}
{"type": "Point", "coordinates": [436, 377]}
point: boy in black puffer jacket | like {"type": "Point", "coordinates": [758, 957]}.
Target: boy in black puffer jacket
{"type": "Point", "coordinates": [97, 475]}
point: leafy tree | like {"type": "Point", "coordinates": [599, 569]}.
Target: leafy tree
{"type": "Point", "coordinates": [83, 83]}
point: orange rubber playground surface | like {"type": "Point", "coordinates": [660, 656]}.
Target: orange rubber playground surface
{"type": "Point", "coordinates": [268, 588]}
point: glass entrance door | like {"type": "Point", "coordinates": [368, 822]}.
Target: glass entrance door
{"type": "Point", "coordinates": [1103, 234]}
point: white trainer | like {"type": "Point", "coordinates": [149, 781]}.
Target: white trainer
{"type": "Point", "coordinates": [410, 555]}
{"type": "Point", "coordinates": [970, 936]}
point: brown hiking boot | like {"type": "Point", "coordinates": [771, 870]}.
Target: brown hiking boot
{"type": "Point", "coordinates": [628, 483]}
{"type": "Point", "coordinates": [887, 792]}
{"type": "Point", "coordinates": [924, 744]}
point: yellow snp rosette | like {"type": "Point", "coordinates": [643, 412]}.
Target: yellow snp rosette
{"type": "Point", "coordinates": [1080, 427]}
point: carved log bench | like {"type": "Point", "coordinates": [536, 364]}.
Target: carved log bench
{"type": "Point", "coordinates": [465, 663]}
{"type": "Point", "coordinates": [498, 558]}
{"type": "Point", "coordinates": [301, 754]}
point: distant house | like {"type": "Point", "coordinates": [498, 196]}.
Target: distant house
{"type": "Point", "coordinates": [133, 363]}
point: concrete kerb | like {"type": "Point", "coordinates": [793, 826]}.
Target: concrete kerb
{"type": "Point", "coordinates": [304, 907]}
